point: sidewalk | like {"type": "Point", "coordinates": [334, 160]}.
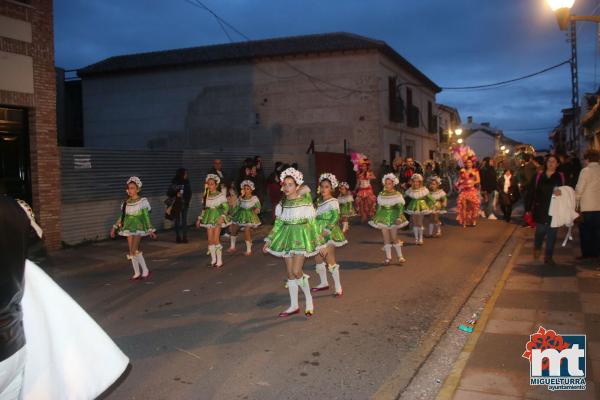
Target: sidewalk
{"type": "Point", "coordinates": [565, 298]}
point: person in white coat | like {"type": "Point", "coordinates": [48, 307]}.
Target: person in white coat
{"type": "Point", "coordinates": [588, 198]}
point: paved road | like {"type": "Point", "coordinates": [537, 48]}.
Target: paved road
{"type": "Point", "coordinates": [197, 333]}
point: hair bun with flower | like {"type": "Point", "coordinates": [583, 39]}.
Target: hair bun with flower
{"type": "Point", "coordinates": [391, 176]}
{"type": "Point", "coordinates": [344, 184]}
{"type": "Point", "coordinates": [248, 183]}
{"type": "Point", "coordinates": [214, 177]}
{"type": "Point", "coordinates": [292, 173]}
{"type": "Point", "coordinates": [327, 176]}
{"type": "Point", "coordinates": [135, 180]}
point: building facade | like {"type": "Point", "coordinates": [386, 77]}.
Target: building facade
{"type": "Point", "coordinates": [449, 121]}
{"type": "Point", "coordinates": [485, 140]}
{"type": "Point", "coordinates": [340, 91]}
{"type": "Point", "coordinates": [28, 145]}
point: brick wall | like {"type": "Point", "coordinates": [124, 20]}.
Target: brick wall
{"type": "Point", "coordinates": [44, 155]}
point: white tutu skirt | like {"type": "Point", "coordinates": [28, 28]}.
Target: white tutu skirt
{"type": "Point", "coordinates": [69, 357]}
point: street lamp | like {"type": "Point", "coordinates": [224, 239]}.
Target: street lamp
{"type": "Point", "coordinates": [507, 151]}
{"type": "Point", "coordinates": [458, 132]}
{"type": "Point", "coordinates": [562, 9]}
{"type": "Point", "coordinates": [502, 148]}
{"type": "Point", "coordinates": [459, 141]}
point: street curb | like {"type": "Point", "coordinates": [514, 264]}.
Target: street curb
{"type": "Point", "coordinates": [453, 379]}
{"type": "Point", "coordinates": [393, 387]}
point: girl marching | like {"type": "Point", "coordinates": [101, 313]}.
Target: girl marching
{"type": "Point", "coordinates": [365, 198]}
{"type": "Point", "coordinates": [389, 217]}
{"type": "Point", "coordinates": [468, 194]}
{"type": "Point", "coordinates": [134, 223]}
{"type": "Point", "coordinates": [439, 200]}
{"type": "Point", "coordinates": [214, 217]}
{"type": "Point", "coordinates": [245, 215]}
{"type": "Point", "coordinates": [346, 202]}
{"type": "Point", "coordinates": [418, 206]}
{"type": "Point", "coordinates": [328, 215]}
{"type": "Point", "coordinates": [294, 237]}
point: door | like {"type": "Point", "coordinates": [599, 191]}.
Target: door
{"type": "Point", "coordinates": [338, 164]}
{"type": "Point", "coordinates": [14, 154]}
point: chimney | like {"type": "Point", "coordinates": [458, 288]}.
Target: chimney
{"type": "Point", "coordinates": [469, 119]}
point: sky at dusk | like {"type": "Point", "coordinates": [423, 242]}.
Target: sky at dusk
{"type": "Point", "coordinates": [455, 43]}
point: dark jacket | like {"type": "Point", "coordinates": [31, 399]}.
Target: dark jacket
{"type": "Point", "coordinates": [540, 195]}
{"type": "Point", "coordinates": [14, 234]}
{"type": "Point", "coordinates": [513, 190]}
{"type": "Point", "coordinates": [178, 185]}
{"type": "Point", "coordinates": [488, 179]}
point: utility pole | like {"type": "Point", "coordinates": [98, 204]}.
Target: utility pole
{"type": "Point", "coordinates": [574, 88]}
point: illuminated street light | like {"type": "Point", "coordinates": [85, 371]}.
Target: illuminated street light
{"type": "Point", "coordinates": [562, 9]}
{"type": "Point", "coordinates": [502, 148]}
{"type": "Point", "coordinates": [458, 132]}
{"type": "Point", "coordinates": [507, 151]}
{"type": "Point", "coordinates": [459, 141]}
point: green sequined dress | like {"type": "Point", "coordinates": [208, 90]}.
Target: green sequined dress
{"type": "Point", "coordinates": [390, 211]}
{"type": "Point", "coordinates": [440, 201]}
{"type": "Point", "coordinates": [137, 218]}
{"type": "Point", "coordinates": [245, 213]}
{"type": "Point", "coordinates": [328, 216]}
{"type": "Point", "coordinates": [347, 206]}
{"type": "Point", "coordinates": [216, 206]}
{"type": "Point", "coordinates": [420, 202]}
{"type": "Point", "coordinates": [295, 229]}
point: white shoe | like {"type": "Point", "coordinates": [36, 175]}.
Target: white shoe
{"type": "Point", "coordinates": [482, 214]}
{"type": "Point", "coordinates": [492, 216]}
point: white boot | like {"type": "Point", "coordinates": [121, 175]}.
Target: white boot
{"type": "Point", "coordinates": [213, 255]}
{"type": "Point", "coordinates": [322, 271]}
{"type": "Point", "coordinates": [388, 253]}
{"type": "Point", "coordinates": [248, 247]}
{"type": "Point", "coordinates": [136, 266]}
{"type": "Point", "coordinates": [335, 273]}
{"type": "Point", "coordinates": [416, 233]}
{"type": "Point", "coordinates": [142, 262]}
{"type": "Point", "coordinates": [232, 245]}
{"type": "Point", "coordinates": [398, 248]}
{"type": "Point", "coordinates": [345, 226]}
{"type": "Point", "coordinates": [219, 255]}
{"type": "Point", "coordinates": [421, 231]}
{"type": "Point", "coordinates": [430, 230]}
{"type": "Point", "coordinates": [292, 286]}
{"type": "Point", "coordinates": [305, 286]}
{"type": "Point", "coordinates": [438, 230]}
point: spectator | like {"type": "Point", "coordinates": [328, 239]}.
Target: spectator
{"type": "Point", "coordinates": [397, 164]}
{"type": "Point", "coordinates": [217, 169]}
{"type": "Point", "coordinates": [181, 191]}
{"type": "Point", "coordinates": [508, 188]}
{"type": "Point", "coordinates": [409, 168]}
{"type": "Point", "coordinates": [526, 173]}
{"type": "Point", "coordinates": [259, 180]}
{"type": "Point", "coordinates": [569, 168]}
{"type": "Point", "coordinates": [543, 186]}
{"type": "Point", "coordinates": [588, 197]}
{"type": "Point", "coordinates": [489, 183]}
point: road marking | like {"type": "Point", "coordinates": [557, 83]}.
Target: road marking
{"type": "Point", "coordinates": [189, 353]}
{"type": "Point", "coordinates": [453, 379]}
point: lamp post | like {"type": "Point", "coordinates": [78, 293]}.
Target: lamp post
{"type": "Point", "coordinates": [562, 9]}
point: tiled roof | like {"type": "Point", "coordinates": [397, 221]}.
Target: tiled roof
{"type": "Point", "coordinates": [247, 51]}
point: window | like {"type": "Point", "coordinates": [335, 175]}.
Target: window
{"type": "Point", "coordinates": [432, 122]}
{"type": "Point", "coordinates": [396, 104]}
{"type": "Point", "coordinates": [412, 112]}
{"type": "Point", "coordinates": [410, 149]}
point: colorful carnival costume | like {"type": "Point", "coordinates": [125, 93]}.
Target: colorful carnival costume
{"type": "Point", "coordinates": [295, 233]}
{"type": "Point", "coordinates": [420, 204]}
{"type": "Point", "coordinates": [390, 216]}
{"type": "Point", "coordinates": [215, 207]}
{"type": "Point", "coordinates": [328, 215]}
{"type": "Point", "coordinates": [347, 209]}
{"type": "Point", "coordinates": [440, 203]}
{"type": "Point", "coordinates": [245, 215]}
{"type": "Point", "coordinates": [468, 199]}
{"type": "Point", "coordinates": [135, 221]}
{"type": "Point", "coordinates": [365, 197]}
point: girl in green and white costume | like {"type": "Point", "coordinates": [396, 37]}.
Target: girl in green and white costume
{"type": "Point", "coordinates": [214, 217]}
{"type": "Point", "coordinates": [419, 206]}
{"type": "Point", "coordinates": [389, 217]}
{"type": "Point", "coordinates": [346, 201]}
{"type": "Point", "coordinates": [439, 200]}
{"type": "Point", "coordinates": [294, 237]}
{"type": "Point", "coordinates": [246, 216]}
{"type": "Point", "coordinates": [328, 215]}
{"type": "Point", "coordinates": [134, 223]}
